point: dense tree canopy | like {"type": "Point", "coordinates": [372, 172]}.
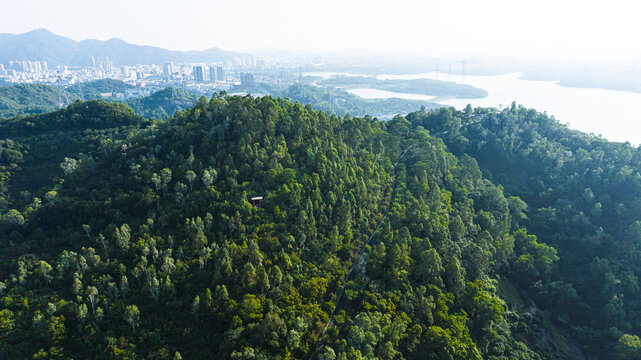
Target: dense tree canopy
{"type": "Point", "coordinates": [29, 99]}
{"type": "Point", "coordinates": [374, 239]}
{"type": "Point", "coordinates": [582, 194]}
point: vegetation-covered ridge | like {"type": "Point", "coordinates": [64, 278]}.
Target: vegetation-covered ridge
{"type": "Point", "coordinates": [32, 148]}
{"type": "Point", "coordinates": [436, 88]}
{"type": "Point", "coordinates": [583, 195]}
{"type": "Point", "coordinates": [150, 247]}
{"type": "Point", "coordinates": [341, 102]}
{"type": "Point", "coordinates": [27, 99]}
{"type": "Point", "coordinates": [30, 99]}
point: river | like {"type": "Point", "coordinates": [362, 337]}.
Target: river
{"type": "Point", "coordinates": [613, 114]}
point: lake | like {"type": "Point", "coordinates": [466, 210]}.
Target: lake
{"type": "Point", "coordinates": [613, 114]}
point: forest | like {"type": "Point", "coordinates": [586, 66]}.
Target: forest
{"type": "Point", "coordinates": [443, 234]}
{"type": "Point", "coordinates": [437, 88]}
{"type": "Point", "coordinates": [29, 99]}
{"type": "Point", "coordinates": [341, 102]}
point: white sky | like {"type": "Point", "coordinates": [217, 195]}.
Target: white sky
{"type": "Point", "coordinates": [432, 27]}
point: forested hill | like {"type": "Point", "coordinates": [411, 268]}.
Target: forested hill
{"type": "Point", "coordinates": [150, 247]}
{"type": "Point", "coordinates": [162, 103]}
{"type": "Point", "coordinates": [37, 150]}
{"type": "Point", "coordinates": [29, 99]}
{"type": "Point", "coordinates": [583, 195]}
{"type": "Point", "coordinates": [403, 239]}
{"type": "Point", "coordinates": [92, 114]}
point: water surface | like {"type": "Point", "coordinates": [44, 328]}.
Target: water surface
{"type": "Point", "coordinates": [611, 113]}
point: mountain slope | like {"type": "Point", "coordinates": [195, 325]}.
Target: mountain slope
{"type": "Point", "coordinates": [582, 194]}
{"type": "Point", "coordinates": [93, 89]}
{"type": "Point", "coordinates": [28, 99]}
{"type": "Point", "coordinates": [162, 103]}
{"type": "Point", "coordinates": [42, 45]}
{"type": "Point", "coordinates": [32, 148]}
{"type": "Point", "coordinates": [153, 249]}
{"type": "Point", "coordinates": [37, 45]}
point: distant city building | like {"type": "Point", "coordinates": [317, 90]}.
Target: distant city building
{"type": "Point", "coordinates": [249, 80]}
{"type": "Point", "coordinates": [202, 77]}
{"type": "Point", "coordinates": [212, 74]}
{"type": "Point", "coordinates": [128, 73]}
{"type": "Point", "coordinates": [220, 74]}
{"type": "Point", "coordinates": [29, 66]}
{"type": "Point", "coordinates": [108, 64]}
{"type": "Point", "coordinates": [168, 69]}
{"type": "Point", "coordinates": [246, 80]}
{"type": "Point", "coordinates": [199, 73]}
{"type": "Point", "coordinates": [245, 61]}
{"type": "Point", "coordinates": [105, 64]}
{"type": "Point", "coordinates": [34, 67]}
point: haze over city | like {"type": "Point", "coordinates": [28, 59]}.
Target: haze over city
{"type": "Point", "coordinates": [544, 29]}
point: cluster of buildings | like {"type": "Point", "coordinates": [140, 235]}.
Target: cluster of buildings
{"type": "Point", "coordinates": [247, 80]}
{"type": "Point", "coordinates": [24, 66]}
{"type": "Point", "coordinates": [239, 75]}
{"type": "Point", "coordinates": [214, 76]}
{"type": "Point", "coordinates": [39, 72]}
{"type": "Point", "coordinates": [204, 73]}
{"type": "Point", "coordinates": [248, 61]}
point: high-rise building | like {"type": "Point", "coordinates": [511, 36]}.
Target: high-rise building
{"type": "Point", "coordinates": [199, 73]}
{"type": "Point", "coordinates": [212, 74]}
{"type": "Point", "coordinates": [128, 72]}
{"type": "Point", "coordinates": [246, 80]}
{"type": "Point", "coordinates": [168, 68]}
{"type": "Point", "coordinates": [108, 64]}
{"type": "Point", "coordinates": [220, 73]}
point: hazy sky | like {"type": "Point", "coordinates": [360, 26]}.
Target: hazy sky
{"type": "Point", "coordinates": [510, 27]}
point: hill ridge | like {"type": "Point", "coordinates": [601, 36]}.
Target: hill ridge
{"type": "Point", "coordinates": [43, 45]}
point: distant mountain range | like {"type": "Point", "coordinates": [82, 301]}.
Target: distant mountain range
{"type": "Point", "coordinates": [43, 45]}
